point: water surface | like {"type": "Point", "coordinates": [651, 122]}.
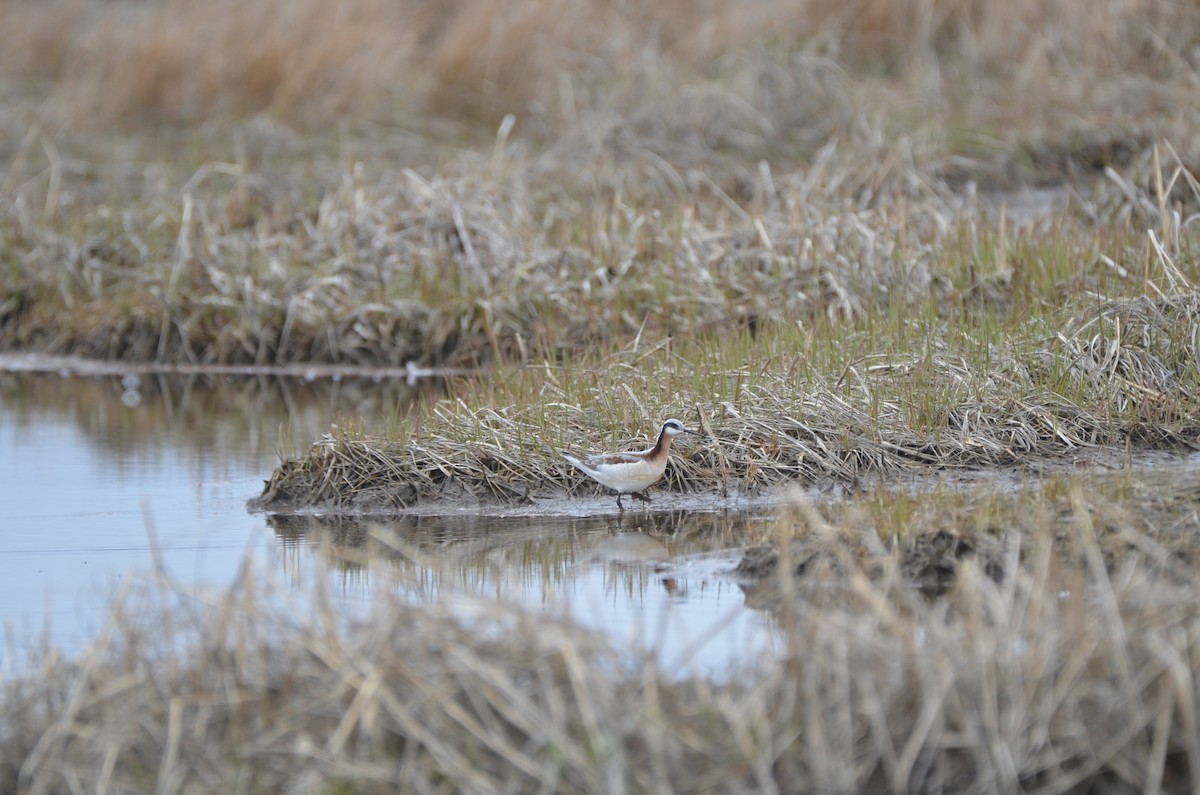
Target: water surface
{"type": "Point", "coordinates": [103, 478]}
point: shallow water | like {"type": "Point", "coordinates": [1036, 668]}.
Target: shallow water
{"type": "Point", "coordinates": [104, 478]}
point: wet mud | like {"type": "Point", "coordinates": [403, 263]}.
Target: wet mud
{"type": "Point", "coordinates": [930, 562]}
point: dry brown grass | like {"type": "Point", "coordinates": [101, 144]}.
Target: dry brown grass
{"type": "Point", "coordinates": [184, 61]}
{"type": "Point", "coordinates": [558, 63]}
{"type": "Point", "coordinates": [502, 262]}
{"type": "Point", "coordinates": [826, 148]}
{"type": "Point", "coordinates": [1063, 675]}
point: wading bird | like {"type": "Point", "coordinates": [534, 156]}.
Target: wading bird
{"type": "Point", "coordinates": [631, 473]}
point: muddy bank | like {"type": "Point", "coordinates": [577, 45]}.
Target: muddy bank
{"type": "Point", "coordinates": [929, 561]}
{"type": "Point", "coordinates": [920, 530]}
{"type": "Point", "coordinates": [740, 463]}
{"type": "Point", "coordinates": [926, 548]}
{"type": "Point", "coordinates": [1086, 522]}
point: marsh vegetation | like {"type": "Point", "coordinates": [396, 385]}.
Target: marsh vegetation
{"type": "Point", "coordinates": [856, 244]}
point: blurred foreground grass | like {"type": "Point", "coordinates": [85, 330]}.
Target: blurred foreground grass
{"type": "Point", "coordinates": [1058, 658]}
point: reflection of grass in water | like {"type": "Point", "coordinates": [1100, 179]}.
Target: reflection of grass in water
{"type": "Point", "coordinates": [260, 416]}
{"type": "Point", "coordinates": [430, 556]}
{"type": "Point", "coordinates": [427, 556]}
{"type": "Point", "coordinates": [1069, 671]}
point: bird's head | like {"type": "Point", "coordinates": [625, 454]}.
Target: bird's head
{"type": "Point", "coordinates": [674, 428]}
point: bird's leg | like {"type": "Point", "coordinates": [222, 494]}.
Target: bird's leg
{"type": "Point", "coordinates": [640, 495]}
{"type": "Point", "coordinates": [620, 507]}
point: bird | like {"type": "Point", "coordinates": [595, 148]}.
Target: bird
{"type": "Point", "coordinates": [631, 473]}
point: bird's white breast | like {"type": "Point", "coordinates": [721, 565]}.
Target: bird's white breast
{"type": "Point", "coordinates": [627, 477]}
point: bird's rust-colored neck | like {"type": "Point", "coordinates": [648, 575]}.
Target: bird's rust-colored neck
{"type": "Point", "coordinates": [662, 445]}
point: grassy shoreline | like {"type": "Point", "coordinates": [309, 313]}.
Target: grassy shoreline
{"type": "Point", "coordinates": [1122, 377]}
